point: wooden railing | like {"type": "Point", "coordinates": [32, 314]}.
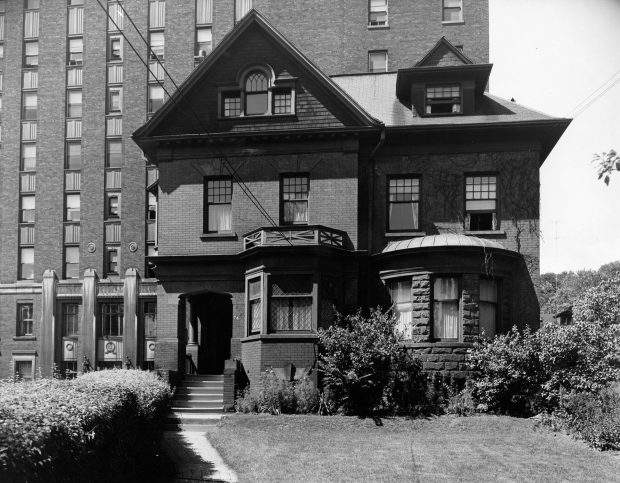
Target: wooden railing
{"type": "Point", "coordinates": [295, 235]}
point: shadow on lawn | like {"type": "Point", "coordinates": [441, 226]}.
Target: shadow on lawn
{"type": "Point", "coordinates": [184, 465]}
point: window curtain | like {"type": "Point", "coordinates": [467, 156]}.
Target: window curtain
{"type": "Point", "coordinates": [157, 14]}
{"type": "Point", "coordinates": [76, 21]}
{"type": "Point", "coordinates": [204, 11]}
{"type": "Point", "coordinates": [291, 313]}
{"type": "Point", "coordinates": [116, 17]}
{"type": "Point", "coordinates": [241, 8]}
{"type": "Point", "coordinates": [296, 211]}
{"type": "Point", "coordinates": [404, 216]}
{"type": "Point", "coordinates": [31, 24]}
{"type": "Point", "coordinates": [446, 308]}
{"type": "Point", "coordinates": [400, 292]}
{"type": "Point", "coordinates": [220, 217]}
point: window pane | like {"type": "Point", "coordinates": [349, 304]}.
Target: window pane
{"type": "Point", "coordinates": [232, 105]}
{"type": "Point", "coordinates": [220, 217]}
{"type": "Point", "coordinates": [114, 156]}
{"type": "Point", "coordinates": [488, 290]}
{"type": "Point", "coordinates": [445, 288]}
{"type": "Point", "coordinates": [73, 207]}
{"type": "Point", "coordinates": [488, 317]}
{"type": "Point", "coordinates": [256, 104]}
{"type": "Point", "coordinates": [445, 320]}
{"type": "Point", "coordinates": [290, 314]}
{"type": "Point", "coordinates": [377, 62]}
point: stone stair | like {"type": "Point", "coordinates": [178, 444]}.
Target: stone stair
{"type": "Point", "coordinates": [197, 404]}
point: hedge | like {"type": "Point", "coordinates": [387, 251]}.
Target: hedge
{"type": "Point", "coordinates": [101, 426]}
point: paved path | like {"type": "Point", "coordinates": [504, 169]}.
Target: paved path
{"type": "Point", "coordinates": [194, 457]}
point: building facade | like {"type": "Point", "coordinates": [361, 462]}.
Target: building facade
{"type": "Point", "coordinates": [85, 212]}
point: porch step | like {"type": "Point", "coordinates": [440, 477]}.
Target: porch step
{"type": "Point", "coordinates": [197, 404]}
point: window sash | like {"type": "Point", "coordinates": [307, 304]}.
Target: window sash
{"type": "Point", "coordinates": [31, 24]}
{"type": "Point", "coordinates": [157, 14]}
{"type": "Point", "coordinates": [111, 320]}
{"type": "Point", "coordinates": [150, 319]}
{"type": "Point", "coordinates": [204, 12]}
{"type": "Point", "coordinates": [377, 62]}
{"type": "Point", "coordinates": [76, 20]}
{"type": "Point", "coordinates": [24, 320]}
{"type": "Point", "coordinates": [242, 7]}
{"type": "Point", "coordinates": [156, 98]}
{"type": "Point", "coordinates": [116, 16]}
{"type": "Point", "coordinates": [70, 319]}
{"type": "Point", "coordinates": [446, 316]}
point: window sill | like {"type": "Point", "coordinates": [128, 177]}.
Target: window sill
{"type": "Point", "coordinates": [453, 22]}
{"type": "Point", "coordinates": [224, 235]}
{"type": "Point", "coordinates": [25, 337]}
{"type": "Point", "coordinates": [485, 233]}
{"type": "Point", "coordinates": [281, 336]}
{"type": "Point", "coordinates": [378, 27]}
{"type": "Point", "coordinates": [398, 234]}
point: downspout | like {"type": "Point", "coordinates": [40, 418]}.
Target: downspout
{"type": "Point", "coordinates": [371, 201]}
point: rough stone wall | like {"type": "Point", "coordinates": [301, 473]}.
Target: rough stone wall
{"type": "Point", "coordinates": [470, 311]}
{"type": "Point", "coordinates": [421, 298]}
{"type": "Point", "coordinates": [445, 359]}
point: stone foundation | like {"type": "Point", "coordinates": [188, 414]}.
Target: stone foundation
{"type": "Point", "coordinates": [448, 359]}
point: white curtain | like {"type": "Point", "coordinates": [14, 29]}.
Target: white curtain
{"type": "Point", "coordinates": [220, 217]}
{"type": "Point", "coordinates": [76, 21]}
{"type": "Point", "coordinates": [157, 14]}
{"type": "Point", "coordinates": [404, 216]}
{"type": "Point", "coordinates": [204, 11]}
{"type": "Point", "coordinates": [446, 308]}
{"type": "Point", "coordinates": [241, 8]}
{"type": "Point", "coordinates": [31, 24]}
{"type": "Point", "coordinates": [116, 17]}
{"type": "Point", "coordinates": [296, 211]}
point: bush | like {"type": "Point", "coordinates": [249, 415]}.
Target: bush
{"type": "Point", "coordinates": [275, 396]}
{"type": "Point", "coordinates": [100, 426]}
{"type": "Point", "coordinates": [593, 417]}
{"type": "Point", "coordinates": [599, 304]}
{"type": "Point", "coordinates": [523, 373]}
{"type": "Point", "coordinates": [364, 367]}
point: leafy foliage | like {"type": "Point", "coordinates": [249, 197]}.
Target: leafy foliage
{"type": "Point", "coordinates": [600, 303]}
{"type": "Point", "coordinates": [275, 396]}
{"type": "Point", "coordinates": [99, 426]}
{"type": "Point", "coordinates": [524, 372]}
{"type": "Point", "coordinates": [607, 163]}
{"type": "Point", "coordinates": [364, 367]}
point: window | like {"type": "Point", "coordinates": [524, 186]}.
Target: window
{"type": "Point", "coordinates": [488, 307]}
{"type": "Point", "coordinates": [116, 16]}
{"type": "Point", "coordinates": [290, 303]}
{"type": "Point", "coordinates": [27, 209]}
{"type": "Point", "coordinates": [113, 205]}
{"type": "Point", "coordinates": [294, 203]}
{"type": "Point", "coordinates": [74, 156]}
{"type": "Point", "coordinates": [204, 41]}
{"type": "Point", "coordinates": [446, 308]}
{"type": "Point", "coordinates": [402, 308]}
{"type": "Point", "coordinates": [156, 43]}
{"type": "Point", "coordinates": [72, 262]}
{"type": "Point", "coordinates": [31, 4]}
{"type": "Point", "coordinates": [76, 20]}
{"type": "Point", "coordinates": [31, 24]}
{"type": "Point", "coordinates": [378, 61]}
{"type": "Point", "coordinates": [74, 103]}
{"type": "Point", "coordinates": [204, 12]}
{"type": "Point", "coordinates": [256, 94]}
{"type": "Point", "coordinates": [72, 203]}
{"type": "Point", "coordinates": [452, 10]}
{"type": "Point", "coordinates": [150, 319]}
{"type": "Point", "coordinates": [24, 319]}
{"type": "Point", "coordinates": [29, 106]}
{"type": "Point", "coordinates": [115, 99]}
{"type": "Point", "coordinates": [481, 203]}
{"type": "Point", "coordinates": [219, 205]}
{"type": "Point", "coordinates": [29, 157]}
{"type": "Point", "coordinates": [26, 263]}
{"type": "Point", "coordinates": [282, 101]}
{"type": "Point", "coordinates": [23, 367]}
{"type": "Point", "coordinates": [232, 104]}
{"type": "Point", "coordinates": [70, 320]}
{"type": "Point", "coordinates": [378, 12]}
{"type": "Point", "coordinates": [112, 260]}
{"type": "Point", "coordinates": [111, 320]}
{"type": "Point", "coordinates": [255, 306]}
{"type": "Point", "coordinates": [443, 99]}
{"type": "Point", "coordinates": [76, 51]}
{"type": "Point", "coordinates": [242, 7]}
{"type": "Point", "coordinates": [114, 153]}
{"type": "Point", "coordinates": [157, 14]}
{"type": "Point", "coordinates": [115, 48]}
{"type": "Point", "coordinates": [152, 206]}
{"type": "Point", "coordinates": [156, 98]}
{"type": "Point", "coordinates": [403, 204]}
{"type": "Point", "coordinates": [31, 54]}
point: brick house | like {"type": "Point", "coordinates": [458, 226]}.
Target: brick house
{"type": "Point", "coordinates": [284, 193]}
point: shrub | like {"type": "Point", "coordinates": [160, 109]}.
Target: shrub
{"type": "Point", "coordinates": [275, 396]}
{"type": "Point", "coordinates": [524, 373]}
{"type": "Point", "coordinates": [363, 366]}
{"type": "Point", "coordinates": [101, 426]}
{"type": "Point", "coordinates": [599, 304]}
{"type": "Point", "coordinates": [593, 417]}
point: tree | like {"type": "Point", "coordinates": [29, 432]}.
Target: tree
{"type": "Point", "coordinates": [607, 163]}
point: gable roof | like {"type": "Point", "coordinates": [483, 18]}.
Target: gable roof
{"type": "Point", "coordinates": [443, 53]}
{"type": "Point", "coordinates": [253, 18]}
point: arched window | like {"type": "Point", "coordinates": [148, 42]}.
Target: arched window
{"type": "Point", "coordinates": [256, 94]}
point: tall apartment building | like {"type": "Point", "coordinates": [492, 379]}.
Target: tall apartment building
{"type": "Point", "coordinates": [79, 199]}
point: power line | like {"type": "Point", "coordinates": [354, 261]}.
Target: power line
{"type": "Point", "coordinates": [590, 99]}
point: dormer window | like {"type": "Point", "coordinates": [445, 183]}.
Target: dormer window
{"type": "Point", "coordinates": [259, 95]}
{"type": "Point", "coordinates": [443, 99]}
{"type": "Point", "coordinates": [256, 94]}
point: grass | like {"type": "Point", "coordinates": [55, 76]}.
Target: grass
{"type": "Point", "coordinates": [448, 448]}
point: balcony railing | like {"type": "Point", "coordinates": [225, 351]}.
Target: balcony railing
{"type": "Point", "coordinates": [295, 235]}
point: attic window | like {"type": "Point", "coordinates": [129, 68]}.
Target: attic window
{"type": "Point", "coordinates": [256, 94]}
{"type": "Point", "coordinates": [443, 99]}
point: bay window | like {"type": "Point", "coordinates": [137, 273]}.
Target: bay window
{"type": "Point", "coordinates": [290, 303]}
{"type": "Point", "coordinates": [488, 307]}
{"type": "Point", "coordinates": [255, 305]}
{"type": "Point", "coordinates": [402, 307]}
{"type": "Point", "coordinates": [446, 319]}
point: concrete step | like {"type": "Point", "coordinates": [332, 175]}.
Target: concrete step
{"type": "Point", "coordinates": [190, 427]}
{"type": "Point", "coordinates": [202, 418]}
{"type": "Point", "coordinates": [202, 384]}
{"type": "Point", "coordinates": [214, 409]}
{"type": "Point", "coordinates": [204, 391]}
{"type": "Point", "coordinates": [203, 377]}
{"type": "Point", "coordinates": [189, 403]}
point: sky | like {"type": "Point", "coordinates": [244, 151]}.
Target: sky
{"type": "Point", "coordinates": [554, 56]}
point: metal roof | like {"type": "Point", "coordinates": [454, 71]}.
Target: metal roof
{"type": "Point", "coordinates": [446, 240]}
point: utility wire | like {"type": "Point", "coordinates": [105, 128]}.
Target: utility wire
{"type": "Point", "coordinates": [595, 95]}
{"type": "Point", "coordinates": [246, 190]}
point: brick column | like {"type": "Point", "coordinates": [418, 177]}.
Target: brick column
{"type": "Point", "coordinates": [88, 330]}
{"type": "Point", "coordinates": [130, 309]}
{"type": "Point", "coordinates": [471, 310]}
{"type": "Point", "coordinates": [50, 334]}
{"type": "Point", "coordinates": [421, 298]}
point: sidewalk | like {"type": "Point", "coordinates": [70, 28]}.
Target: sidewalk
{"type": "Point", "coordinates": [194, 457]}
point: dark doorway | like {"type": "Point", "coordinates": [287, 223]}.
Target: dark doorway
{"type": "Point", "coordinates": [214, 314]}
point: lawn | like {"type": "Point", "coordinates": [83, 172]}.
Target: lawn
{"type": "Point", "coordinates": [448, 448]}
